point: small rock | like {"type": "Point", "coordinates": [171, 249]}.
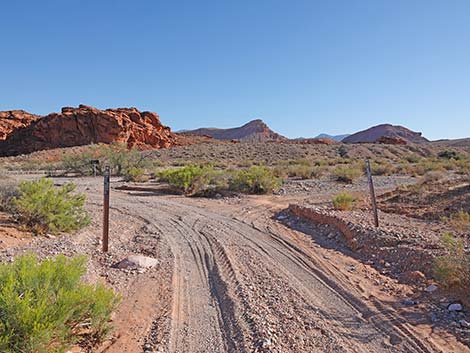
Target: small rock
{"type": "Point", "coordinates": [136, 262]}
{"type": "Point", "coordinates": [463, 323]}
{"type": "Point", "coordinates": [408, 302]}
{"type": "Point", "coordinates": [455, 307]}
{"type": "Point", "coordinates": [431, 288]}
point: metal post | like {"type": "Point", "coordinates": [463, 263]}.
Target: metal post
{"type": "Point", "coordinates": [372, 193]}
{"type": "Point", "coordinates": [106, 210]}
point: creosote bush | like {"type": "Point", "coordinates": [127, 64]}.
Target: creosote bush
{"type": "Point", "coordinates": [45, 308]}
{"type": "Point", "coordinates": [453, 269]}
{"type": "Point", "coordinates": [43, 208]}
{"type": "Point", "coordinates": [194, 180]}
{"type": "Point", "coordinates": [344, 201]}
{"type": "Point", "coordinates": [255, 180]}
{"type": "Point", "coordinates": [347, 174]}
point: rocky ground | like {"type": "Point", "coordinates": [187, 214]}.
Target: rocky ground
{"type": "Point", "coordinates": [233, 275]}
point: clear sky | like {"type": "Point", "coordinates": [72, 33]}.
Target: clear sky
{"type": "Point", "coordinates": [304, 66]}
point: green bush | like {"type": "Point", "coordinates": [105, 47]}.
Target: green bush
{"type": "Point", "coordinates": [194, 180]}
{"type": "Point", "coordinates": [255, 180]}
{"type": "Point", "coordinates": [117, 156]}
{"type": "Point", "coordinates": [78, 163]}
{"type": "Point", "coordinates": [45, 308]}
{"type": "Point", "coordinates": [45, 208]}
{"type": "Point", "coordinates": [135, 174]}
{"type": "Point", "coordinates": [121, 159]}
{"type": "Point", "coordinates": [347, 174]}
{"type": "Point", "coordinates": [344, 201]}
{"type": "Point", "coordinates": [453, 269]}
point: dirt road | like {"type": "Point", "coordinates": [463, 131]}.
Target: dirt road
{"type": "Point", "coordinates": [243, 282]}
{"type": "Point", "coordinates": [237, 280]}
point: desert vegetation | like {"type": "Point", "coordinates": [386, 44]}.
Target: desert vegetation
{"type": "Point", "coordinates": [195, 180]}
{"type": "Point", "coordinates": [45, 307]}
{"type": "Point", "coordinates": [344, 201]}
{"type": "Point", "coordinates": [43, 208]}
{"type": "Point", "coordinates": [453, 268]}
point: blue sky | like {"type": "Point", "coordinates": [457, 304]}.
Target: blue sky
{"type": "Point", "coordinates": [304, 66]}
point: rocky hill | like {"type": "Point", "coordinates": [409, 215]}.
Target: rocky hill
{"type": "Point", "coordinates": [332, 137]}
{"type": "Point", "coordinates": [85, 125]}
{"type": "Point", "coordinates": [14, 119]}
{"type": "Point", "coordinates": [386, 133]}
{"type": "Point", "coordinates": [254, 131]}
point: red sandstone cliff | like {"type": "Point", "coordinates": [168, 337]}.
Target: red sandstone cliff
{"type": "Point", "coordinates": [85, 125]}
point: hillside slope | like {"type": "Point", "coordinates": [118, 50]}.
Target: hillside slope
{"type": "Point", "coordinates": [378, 132]}
{"type": "Point", "coordinates": [253, 131]}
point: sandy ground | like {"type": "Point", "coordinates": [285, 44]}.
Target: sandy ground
{"type": "Point", "coordinates": [231, 278]}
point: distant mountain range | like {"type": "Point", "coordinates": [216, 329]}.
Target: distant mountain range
{"type": "Point", "coordinates": [253, 131]}
{"type": "Point", "coordinates": [332, 137]}
{"type": "Point", "coordinates": [258, 131]}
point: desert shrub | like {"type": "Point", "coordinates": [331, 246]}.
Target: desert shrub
{"type": "Point", "coordinates": [135, 174]}
{"type": "Point", "coordinates": [255, 180]}
{"type": "Point", "coordinates": [453, 269]}
{"type": "Point", "coordinates": [44, 306]}
{"type": "Point", "coordinates": [343, 151]}
{"type": "Point", "coordinates": [382, 168]}
{"type": "Point", "coordinates": [78, 163]}
{"type": "Point", "coordinates": [344, 201]}
{"type": "Point", "coordinates": [446, 154]}
{"type": "Point", "coordinates": [433, 176]}
{"type": "Point", "coordinates": [412, 158]}
{"type": "Point", "coordinates": [347, 174]}
{"type": "Point", "coordinates": [460, 221]}
{"type": "Point", "coordinates": [8, 191]}
{"type": "Point", "coordinates": [45, 208]}
{"type": "Point", "coordinates": [194, 180]}
{"type": "Point", "coordinates": [121, 159]}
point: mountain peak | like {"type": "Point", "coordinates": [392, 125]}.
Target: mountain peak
{"type": "Point", "coordinates": [253, 131]}
{"type": "Point", "coordinates": [378, 132]}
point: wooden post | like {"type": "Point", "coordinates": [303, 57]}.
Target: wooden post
{"type": "Point", "coordinates": [106, 210]}
{"type": "Point", "coordinates": [372, 193]}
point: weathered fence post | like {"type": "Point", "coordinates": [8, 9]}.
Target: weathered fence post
{"type": "Point", "coordinates": [106, 210]}
{"type": "Point", "coordinates": [372, 193]}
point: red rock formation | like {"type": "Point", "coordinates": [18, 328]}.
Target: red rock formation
{"type": "Point", "coordinates": [85, 125]}
{"type": "Point", "coordinates": [14, 119]}
{"type": "Point", "coordinates": [391, 140]}
{"type": "Point", "coordinates": [314, 141]}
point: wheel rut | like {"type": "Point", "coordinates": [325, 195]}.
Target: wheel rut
{"type": "Point", "coordinates": [224, 265]}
